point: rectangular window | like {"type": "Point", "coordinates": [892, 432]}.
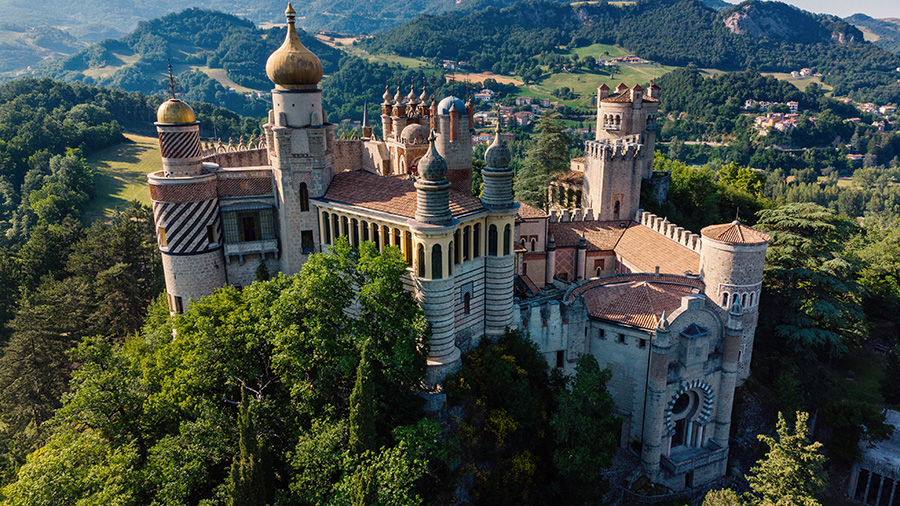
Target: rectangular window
{"type": "Point", "coordinates": [211, 234]}
{"type": "Point", "coordinates": [306, 242]}
{"type": "Point", "coordinates": [560, 358]}
{"type": "Point", "coordinates": [163, 242]}
{"type": "Point", "coordinates": [620, 338]}
{"type": "Point", "coordinates": [642, 343]}
{"type": "Point", "coordinates": [601, 334]}
{"type": "Point", "coordinates": [179, 307]}
{"type": "Point", "coordinates": [256, 225]}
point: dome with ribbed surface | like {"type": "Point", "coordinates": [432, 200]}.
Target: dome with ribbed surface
{"type": "Point", "coordinates": [293, 66]}
{"type": "Point", "coordinates": [432, 166]}
{"type": "Point", "coordinates": [175, 111]}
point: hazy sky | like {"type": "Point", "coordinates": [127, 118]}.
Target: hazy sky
{"type": "Point", "coordinates": [843, 8]}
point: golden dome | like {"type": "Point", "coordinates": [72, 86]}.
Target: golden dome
{"type": "Point", "coordinates": [175, 111]}
{"type": "Point", "coordinates": [292, 66]}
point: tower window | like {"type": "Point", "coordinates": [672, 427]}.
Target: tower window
{"type": "Point", "coordinates": [161, 233]}
{"type": "Point", "coordinates": [476, 241]}
{"type": "Point", "coordinates": [307, 244]}
{"type": "Point", "coordinates": [178, 304]}
{"type": "Point", "coordinates": [560, 358]}
{"type": "Point", "coordinates": [533, 243]}
{"type": "Point", "coordinates": [601, 334]}
{"type": "Point", "coordinates": [326, 230]}
{"type": "Point", "coordinates": [420, 254]}
{"type": "Point", "coordinates": [304, 198]}
{"type": "Point", "coordinates": [467, 303]}
{"type": "Point", "coordinates": [492, 241]}
{"type": "Point", "coordinates": [507, 239]}
{"type": "Point", "coordinates": [616, 210]}
{"type": "Point", "coordinates": [725, 299]}
{"type": "Point", "coordinates": [253, 225]}
{"type": "Point", "coordinates": [437, 271]}
{"type": "Point", "coordinates": [211, 233]}
{"type": "Point", "coordinates": [466, 242]}
{"type": "Point", "coordinates": [620, 338]}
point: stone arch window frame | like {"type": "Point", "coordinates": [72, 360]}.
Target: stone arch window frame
{"type": "Point", "coordinates": [533, 243]}
{"type": "Point", "coordinates": [420, 260]}
{"type": "Point", "coordinates": [493, 240]}
{"type": "Point", "coordinates": [437, 260]}
{"type": "Point", "coordinates": [326, 227]}
{"type": "Point", "coordinates": [476, 240]}
{"type": "Point", "coordinates": [706, 404]}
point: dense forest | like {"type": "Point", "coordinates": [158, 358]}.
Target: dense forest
{"type": "Point", "coordinates": [672, 32]}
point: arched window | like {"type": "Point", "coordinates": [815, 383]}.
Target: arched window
{"type": "Point", "coordinates": [365, 231]}
{"type": "Point", "coordinates": [386, 235]}
{"type": "Point", "coordinates": [304, 198]}
{"type": "Point", "coordinates": [725, 299]}
{"type": "Point", "coordinates": [467, 232]}
{"type": "Point", "coordinates": [533, 243]}
{"type": "Point", "coordinates": [326, 221]}
{"type": "Point", "coordinates": [420, 257]}
{"type": "Point", "coordinates": [376, 237]}
{"type": "Point", "coordinates": [744, 300]}
{"type": "Point", "coordinates": [599, 271]}
{"type": "Point", "coordinates": [336, 226]}
{"type": "Point", "coordinates": [354, 234]}
{"type": "Point", "coordinates": [507, 239]}
{"type": "Point", "coordinates": [492, 241]}
{"type": "Point", "coordinates": [437, 271]}
{"type": "Point", "coordinates": [476, 241]}
{"type": "Point", "coordinates": [408, 241]}
{"type": "Point", "coordinates": [734, 299]}
{"type": "Point", "coordinates": [685, 411]}
{"type": "Point", "coordinates": [451, 258]}
{"type": "Point", "coordinates": [751, 298]}
{"type": "Point", "coordinates": [345, 227]}
{"type": "Point", "coordinates": [467, 303]}
{"type": "Point", "coordinates": [616, 210]}
{"type": "Point", "coordinates": [397, 240]}
{"type": "Point", "coordinates": [456, 256]}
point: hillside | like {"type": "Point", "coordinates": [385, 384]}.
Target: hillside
{"type": "Point", "coordinates": [22, 47]}
{"type": "Point", "coordinates": [884, 33]}
{"type": "Point", "coordinates": [671, 32]}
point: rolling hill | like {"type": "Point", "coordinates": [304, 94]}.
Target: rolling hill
{"type": "Point", "coordinates": [881, 32]}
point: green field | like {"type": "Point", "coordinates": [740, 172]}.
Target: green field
{"type": "Point", "coordinates": [121, 175]}
{"type": "Point", "coordinates": [801, 82]}
{"type": "Point", "coordinates": [585, 83]}
{"type": "Point", "coordinates": [390, 59]}
{"type": "Point", "coordinates": [599, 51]}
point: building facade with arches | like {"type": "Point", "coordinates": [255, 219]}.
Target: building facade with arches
{"type": "Point", "coordinates": [669, 312]}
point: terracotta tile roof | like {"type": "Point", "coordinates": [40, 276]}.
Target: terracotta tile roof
{"type": "Point", "coordinates": [735, 232]}
{"type": "Point", "coordinates": [390, 195]}
{"type": "Point", "coordinates": [637, 302]}
{"type": "Point", "coordinates": [647, 249]}
{"type": "Point", "coordinates": [529, 211]}
{"type": "Point", "coordinates": [572, 176]}
{"type": "Point", "coordinates": [600, 235]}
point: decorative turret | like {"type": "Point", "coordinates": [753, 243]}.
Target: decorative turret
{"type": "Point", "coordinates": [179, 138]}
{"type": "Point", "coordinates": [602, 91]}
{"type": "Point", "coordinates": [454, 122]}
{"type": "Point", "coordinates": [292, 66]}
{"type": "Point", "coordinates": [386, 109]}
{"type": "Point", "coordinates": [498, 176]}
{"type": "Point", "coordinates": [432, 188]}
{"type": "Point", "coordinates": [366, 129]}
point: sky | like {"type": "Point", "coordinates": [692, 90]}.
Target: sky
{"type": "Point", "coordinates": [843, 8]}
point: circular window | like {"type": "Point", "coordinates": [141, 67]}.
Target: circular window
{"type": "Point", "coordinates": [685, 405]}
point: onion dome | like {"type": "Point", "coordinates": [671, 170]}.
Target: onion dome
{"type": "Point", "coordinates": [398, 97]}
{"type": "Point", "coordinates": [447, 103]}
{"type": "Point", "coordinates": [497, 154]}
{"type": "Point", "coordinates": [175, 111]}
{"type": "Point", "coordinates": [424, 96]}
{"type": "Point", "coordinates": [387, 95]}
{"type": "Point", "coordinates": [432, 166]}
{"type": "Point", "coordinates": [292, 66]}
{"type": "Point", "coordinates": [414, 134]}
{"type": "Point", "coordinates": [411, 98]}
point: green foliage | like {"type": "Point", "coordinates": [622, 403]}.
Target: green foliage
{"type": "Point", "coordinates": [852, 422]}
{"type": "Point", "coordinates": [890, 389]}
{"type": "Point", "coordinates": [792, 472]}
{"type": "Point", "coordinates": [547, 157]}
{"type": "Point", "coordinates": [362, 407]}
{"type": "Point", "coordinates": [813, 300]}
{"type": "Point", "coordinates": [250, 482]}
{"type": "Point", "coordinates": [585, 432]}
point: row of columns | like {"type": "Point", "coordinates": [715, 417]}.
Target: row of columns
{"type": "Point", "coordinates": [883, 496]}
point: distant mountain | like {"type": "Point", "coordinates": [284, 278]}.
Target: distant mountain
{"type": "Point", "coordinates": [780, 21]}
{"type": "Point", "coordinates": [22, 47]}
{"type": "Point", "coordinates": [763, 36]}
{"type": "Point", "coordinates": [718, 5]}
{"type": "Point", "coordinates": [882, 32]}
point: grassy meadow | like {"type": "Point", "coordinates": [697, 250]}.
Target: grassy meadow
{"type": "Point", "coordinates": [121, 175]}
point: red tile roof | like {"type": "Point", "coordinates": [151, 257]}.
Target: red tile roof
{"type": "Point", "coordinates": [599, 235]}
{"type": "Point", "coordinates": [647, 249]}
{"type": "Point", "coordinates": [528, 211]}
{"type": "Point", "coordinates": [636, 300]}
{"type": "Point", "coordinates": [390, 195]}
{"type": "Point", "coordinates": [735, 232]}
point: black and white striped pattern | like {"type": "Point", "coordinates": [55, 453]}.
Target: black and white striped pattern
{"type": "Point", "coordinates": [180, 144]}
{"type": "Point", "coordinates": [185, 224]}
{"type": "Point", "coordinates": [706, 405]}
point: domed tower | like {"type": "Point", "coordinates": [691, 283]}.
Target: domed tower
{"type": "Point", "coordinates": [454, 142]}
{"type": "Point", "coordinates": [301, 152]}
{"type": "Point", "coordinates": [387, 107]}
{"type": "Point", "coordinates": [433, 231]}
{"type": "Point", "coordinates": [185, 209]}
{"type": "Point", "coordinates": [499, 273]}
{"type": "Point", "coordinates": [731, 266]}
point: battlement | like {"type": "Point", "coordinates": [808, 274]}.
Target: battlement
{"type": "Point", "coordinates": [249, 153]}
{"type": "Point", "coordinates": [611, 149]}
{"type": "Point", "coordinates": [670, 230]}
{"type": "Point", "coordinates": [576, 215]}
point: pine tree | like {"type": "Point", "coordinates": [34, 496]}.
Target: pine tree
{"type": "Point", "coordinates": [249, 481]}
{"type": "Point", "coordinates": [362, 406]}
{"type": "Point", "coordinates": [547, 157]}
{"type": "Point", "coordinates": [792, 472]}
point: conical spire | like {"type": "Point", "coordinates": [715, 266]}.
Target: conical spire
{"type": "Point", "coordinates": [365, 120]}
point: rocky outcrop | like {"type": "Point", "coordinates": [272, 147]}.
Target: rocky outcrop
{"type": "Point", "coordinates": [780, 21]}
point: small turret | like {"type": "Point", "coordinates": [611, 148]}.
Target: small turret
{"type": "Point", "coordinates": [602, 91]}
{"type": "Point", "coordinates": [433, 188]}
{"type": "Point", "coordinates": [498, 176]}
{"type": "Point", "coordinates": [366, 129]}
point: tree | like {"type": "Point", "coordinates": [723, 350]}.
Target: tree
{"type": "Point", "coordinates": [585, 430]}
{"type": "Point", "coordinates": [250, 482]}
{"type": "Point", "coordinates": [547, 157]}
{"type": "Point", "coordinates": [812, 294]}
{"type": "Point", "coordinates": [362, 407]}
{"type": "Point", "coordinates": [792, 472]}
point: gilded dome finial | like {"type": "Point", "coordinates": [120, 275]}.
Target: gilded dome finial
{"type": "Point", "coordinates": [293, 66]}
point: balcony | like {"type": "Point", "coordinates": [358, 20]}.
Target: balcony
{"type": "Point", "coordinates": [685, 458]}
{"type": "Point", "coordinates": [610, 127]}
{"type": "Point", "coordinates": [239, 249]}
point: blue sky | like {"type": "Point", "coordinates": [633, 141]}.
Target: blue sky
{"type": "Point", "coordinates": [843, 8]}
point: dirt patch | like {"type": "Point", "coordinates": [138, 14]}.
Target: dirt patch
{"type": "Point", "coordinates": [336, 42]}
{"type": "Point", "coordinates": [481, 76]}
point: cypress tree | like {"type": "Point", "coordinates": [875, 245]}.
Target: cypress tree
{"type": "Point", "coordinates": [249, 481]}
{"type": "Point", "coordinates": [362, 406]}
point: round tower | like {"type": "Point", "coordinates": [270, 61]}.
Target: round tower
{"type": "Point", "coordinates": [454, 142]}
{"type": "Point", "coordinates": [186, 209]}
{"type": "Point", "coordinates": [433, 231]}
{"type": "Point", "coordinates": [301, 155]}
{"type": "Point", "coordinates": [386, 109]}
{"type": "Point", "coordinates": [731, 266]}
{"type": "Point", "coordinates": [499, 274]}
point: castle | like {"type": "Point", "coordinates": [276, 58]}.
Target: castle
{"type": "Point", "coordinates": [670, 313]}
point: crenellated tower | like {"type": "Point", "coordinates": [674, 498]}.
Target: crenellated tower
{"type": "Point", "coordinates": [186, 209]}
{"type": "Point", "coordinates": [300, 147]}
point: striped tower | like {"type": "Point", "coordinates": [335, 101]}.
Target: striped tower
{"type": "Point", "coordinates": [185, 209]}
{"type": "Point", "coordinates": [499, 273]}
{"type": "Point", "coordinates": [433, 231]}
